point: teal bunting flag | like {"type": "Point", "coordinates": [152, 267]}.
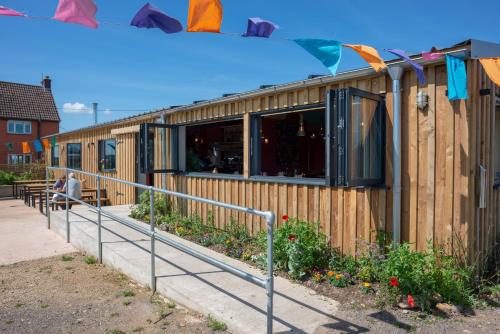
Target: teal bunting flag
{"type": "Point", "coordinates": [10, 146]}
{"type": "Point", "coordinates": [327, 51]}
{"type": "Point", "coordinates": [53, 141]}
{"type": "Point", "coordinates": [457, 78]}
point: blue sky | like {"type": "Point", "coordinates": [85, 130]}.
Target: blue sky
{"type": "Point", "coordinates": [129, 70]}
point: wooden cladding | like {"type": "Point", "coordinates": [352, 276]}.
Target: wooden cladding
{"type": "Point", "coordinates": [442, 148]}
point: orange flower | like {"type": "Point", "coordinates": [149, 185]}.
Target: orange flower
{"type": "Point", "coordinates": [338, 276]}
{"type": "Point", "coordinates": [330, 273]}
{"type": "Point", "coordinates": [367, 285]}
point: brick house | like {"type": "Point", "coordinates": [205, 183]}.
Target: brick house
{"type": "Point", "coordinates": [27, 113]}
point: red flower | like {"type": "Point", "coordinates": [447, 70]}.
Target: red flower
{"type": "Point", "coordinates": [292, 237]}
{"type": "Point", "coordinates": [411, 301]}
{"type": "Point", "coordinates": [394, 282]}
{"type": "Point", "coordinates": [285, 217]}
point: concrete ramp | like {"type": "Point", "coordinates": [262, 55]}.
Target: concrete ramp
{"type": "Point", "coordinates": [198, 285]}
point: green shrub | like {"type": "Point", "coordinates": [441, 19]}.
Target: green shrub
{"type": "Point", "coordinates": [142, 210]}
{"type": "Point", "coordinates": [370, 261]}
{"type": "Point", "coordinates": [342, 263]}
{"type": "Point", "coordinates": [298, 247]}
{"type": "Point", "coordinates": [425, 274]}
{"type": "Point", "coordinates": [90, 259]}
{"type": "Point", "coordinates": [7, 178]}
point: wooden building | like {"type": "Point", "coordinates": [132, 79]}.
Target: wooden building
{"type": "Point", "coordinates": [321, 149]}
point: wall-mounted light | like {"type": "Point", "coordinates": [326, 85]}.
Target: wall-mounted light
{"type": "Point", "coordinates": [301, 132]}
{"type": "Point", "coordinates": [422, 100]}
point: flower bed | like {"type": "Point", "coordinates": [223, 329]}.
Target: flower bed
{"type": "Point", "coordinates": [383, 275]}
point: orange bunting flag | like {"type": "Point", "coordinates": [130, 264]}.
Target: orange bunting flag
{"type": "Point", "coordinates": [370, 55]}
{"type": "Point", "coordinates": [205, 16]}
{"type": "Point", "coordinates": [46, 144]}
{"type": "Point", "coordinates": [492, 68]}
{"type": "Point", "coordinates": [26, 147]}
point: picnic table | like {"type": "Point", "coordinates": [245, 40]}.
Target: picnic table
{"type": "Point", "coordinates": [16, 184]}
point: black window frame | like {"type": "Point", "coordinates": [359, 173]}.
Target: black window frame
{"type": "Point", "coordinates": [101, 149]}
{"type": "Point", "coordinates": [54, 149]}
{"type": "Point", "coordinates": [67, 156]}
{"type": "Point", "coordinates": [337, 151]}
{"type": "Point", "coordinates": [147, 148]}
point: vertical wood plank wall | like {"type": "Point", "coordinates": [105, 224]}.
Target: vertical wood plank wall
{"type": "Point", "coordinates": [442, 147]}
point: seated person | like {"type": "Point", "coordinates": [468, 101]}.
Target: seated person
{"type": "Point", "coordinates": [73, 188]}
{"type": "Point", "coordinates": [59, 186]}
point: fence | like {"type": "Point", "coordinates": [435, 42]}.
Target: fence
{"type": "Point", "coordinates": [36, 170]}
{"type": "Point", "coordinates": [267, 283]}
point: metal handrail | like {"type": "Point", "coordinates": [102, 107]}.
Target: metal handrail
{"type": "Point", "coordinates": [267, 283]}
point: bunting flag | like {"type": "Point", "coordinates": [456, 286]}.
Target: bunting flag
{"type": "Point", "coordinates": [258, 27]}
{"type": "Point", "coordinates": [419, 69]}
{"type": "Point", "coordinates": [46, 144]}
{"type": "Point", "coordinates": [38, 145]}
{"type": "Point", "coordinates": [457, 78]}
{"type": "Point", "coordinates": [370, 55]}
{"type": "Point", "coordinates": [10, 146]}
{"type": "Point", "coordinates": [151, 17]}
{"type": "Point", "coordinates": [492, 68]}
{"type": "Point", "coordinates": [327, 51]}
{"type": "Point", "coordinates": [432, 55]}
{"type": "Point", "coordinates": [53, 141]}
{"type": "Point", "coordinates": [26, 147]}
{"type": "Point", "coordinates": [4, 11]}
{"type": "Point", "coordinates": [205, 16]}
{"type": "Point", "coordinates": [77, 11]}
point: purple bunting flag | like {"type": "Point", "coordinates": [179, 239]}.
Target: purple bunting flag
{"type": "Point", "coordinates": [419, 69]}
{"type": "Point", "coordinates": [151, 17]}
{"type": "Point", "coordinates": [258, 27]}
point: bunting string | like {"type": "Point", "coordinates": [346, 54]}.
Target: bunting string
{"type": "Point", "coordinates": [207, 15]}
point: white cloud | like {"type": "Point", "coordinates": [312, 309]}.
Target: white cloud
{"type": "Point", "coordinates": [76, 108]}
{"type": "Point", "coordinates": [107, 111]}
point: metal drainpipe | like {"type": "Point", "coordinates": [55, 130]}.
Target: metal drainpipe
{"type": "Point", "coordinates": [396, 72]}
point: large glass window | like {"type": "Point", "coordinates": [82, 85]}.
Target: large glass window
{"type": "Point", "coordinates": [19, 127]}
{"type": "Point", "coordinates": [292, 144]}
{"type": "Point", "coordinates": [54, 158]}
{"type": "Point", "coordinates": [107, 155]}
{"type": "Point", "coordinates": [340, 142]}
{"type": "Point", "coordinates": [215, 147]}
{"type": "Point", "coordinates": [74, 156]}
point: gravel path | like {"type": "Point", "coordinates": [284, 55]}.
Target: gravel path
{"type": "Point", "coordinates": [66, 295]}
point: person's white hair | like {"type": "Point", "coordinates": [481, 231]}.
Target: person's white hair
{"type": "Point", "coordinates": [71, 175]}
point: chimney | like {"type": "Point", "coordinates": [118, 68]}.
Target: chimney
{"type": "Point", "coordinates": [46, 83]}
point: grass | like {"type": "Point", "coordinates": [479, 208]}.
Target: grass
{"type": "Point", "coordinates": [215, 325]}
{"type": "Point", "coordinates": [171, 305]}
{"type": "Point", "coordinates": [67, 258]}
{"type": "Point", "coordinates": [138, 329]}
{"type": "Point", "coordinates": [128, 293]}
{"type": "Point", "coordinates": [114, 314]}
{"type": "Point", "coordinates": [44, 305]}
{"type": "Point", "coordinates": [8, 322]}
{"type": "Point", "coordinates": [115, 331]}
{"type": "Point", "coordinates": [18, 305]}
{"type": "Point", "coordinates": [127, 302]}
{"type": "Point", "coordinates": [90, 259]}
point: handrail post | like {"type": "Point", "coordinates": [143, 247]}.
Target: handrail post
{"type": "Point", "coordinates": [99, 242]}
{"type": "Point", "coordinates": [270, 218]}
{"type": "Point", "coordinates": [152, 230]}
{"type": "Point", "coordinates": [67, 207]}
{"type": "Point", "coordinates": [47, 211]}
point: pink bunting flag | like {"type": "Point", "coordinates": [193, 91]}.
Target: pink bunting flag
{"type": "Point", "coordinates": [432, 55]}
{"type": "Point", "coordinates": [9, 12]}
{"type": "Point", "coordinates": [77, 11]}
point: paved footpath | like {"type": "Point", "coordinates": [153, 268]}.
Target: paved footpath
{"type": "Point", "coordinates": [24, 234]}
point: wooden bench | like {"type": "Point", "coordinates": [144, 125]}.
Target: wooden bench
{"type": "Point", "coordinates": [93, 201]}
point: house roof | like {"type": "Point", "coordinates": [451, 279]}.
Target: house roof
{"type": "Point", "coordinates": [22, 101]}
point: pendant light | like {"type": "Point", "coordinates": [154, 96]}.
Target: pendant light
{"type": "Point", "coordinates": [301, 132]}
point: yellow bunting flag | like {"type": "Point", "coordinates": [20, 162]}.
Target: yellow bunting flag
{"type": "Point", "coordinates": [26, 147]}
{"type": "Point", "coordinates": [492, 68]}
{"type": "Point", "coordinates": [204, 16]}
{"type": "Point", "coordinates": [46, 144]}
{"type": "Point", "coordinates": [370, 55]}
